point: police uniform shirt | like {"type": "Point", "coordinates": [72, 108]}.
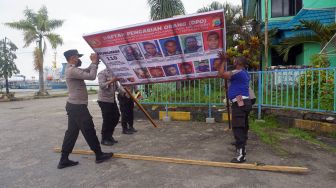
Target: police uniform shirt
{"type": "Point", "coordinates": [106, 92]}
{"type": "Point", "coordinates": [75, 82]}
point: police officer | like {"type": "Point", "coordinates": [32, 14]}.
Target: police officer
{"type": "Point", "coordinates": [126, 107]}
{"type": "Point", "coordinates": [108, 106]}
{"type": "Point", "coordinates": [79, 118]}
{"type": "Point", "coordinates": [241, 104]}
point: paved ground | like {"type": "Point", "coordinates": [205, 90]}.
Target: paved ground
{"type": "Point", "coordinates": [30, 129]}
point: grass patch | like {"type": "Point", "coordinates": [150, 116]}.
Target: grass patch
{"type": "Point", "coordinates": [270, 132]}
{"type": "Point", "coordinates": [333, 135]}
{"type": "Point", "coordinates": [265, 130]}
{"type": "Point", "coordinates": [311, 138]}
{"type": "Point", "coordinates": [304, 135]}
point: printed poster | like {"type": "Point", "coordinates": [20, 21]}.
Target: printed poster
{"type": "Point", "coordinates": [181, 48]}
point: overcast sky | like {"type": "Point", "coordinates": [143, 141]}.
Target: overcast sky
{"type": "Point", "coordinates": [80, 17]}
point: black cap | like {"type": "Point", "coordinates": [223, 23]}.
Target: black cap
{"type": "Point", "coordinates": [69, 53]}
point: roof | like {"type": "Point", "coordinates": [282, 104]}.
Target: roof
{"type": "Point", "coordinates": [325, 16]}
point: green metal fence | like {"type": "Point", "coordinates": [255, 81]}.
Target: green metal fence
{"type": "Point", "coordinates": [302, 89]}
{"type": "Point", "coordinates": [307, 89]}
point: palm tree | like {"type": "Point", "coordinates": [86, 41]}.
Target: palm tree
{"type": "Point", "coordinates": [321, 34]}
{"type": "Point", "coordinates": [7, 64]}
{"type": "Point", "coordinates": [161, 9]}
{"type": "Point", "coordinates": [37, 28]}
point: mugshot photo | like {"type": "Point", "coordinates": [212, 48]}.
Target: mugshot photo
{"type": "Point", "coordinates": [151, 49]}
{"type": "Point", "coordinates": [202, 66]}
{"type": "Point", "coordinates": [171, 46]}
{"type": "Point", "coordinates": [213, 40]}
{"type": "Point", "coordinates": [142, 73]}
{"type": "Point", "coordinates": [215, 64]}
{"type": "Point", "coordinates": [171, 70]}
{"type": "Point", "coordinates": [131, 52]}
{"type": "Point", "coordinates": [186, 68]}
{"type": "Point", "coordinates": [156, 72]}
{"type": "Point", "coordinates": [192, 43]}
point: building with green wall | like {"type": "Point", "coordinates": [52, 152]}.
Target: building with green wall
{"type": "Point", "coordinates": [285, 15]}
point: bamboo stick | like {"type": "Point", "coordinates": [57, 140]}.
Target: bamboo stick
{"type": "Point", "coordinates": [273, 168]}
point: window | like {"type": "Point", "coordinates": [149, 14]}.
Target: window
{"type": "Point", "coordinates": [281, 8]}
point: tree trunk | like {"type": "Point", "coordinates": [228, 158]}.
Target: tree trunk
{"type": "Point", "coordinates": [7, 87]}
{"type": "Point", "coordinates": [41, 81]}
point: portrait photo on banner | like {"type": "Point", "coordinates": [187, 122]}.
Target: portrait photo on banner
{"type": "Point", "coordinates": [215, 64]}
{"type": "Point", "coordinates": [202, 66]}
{"type": "Point", "coordinates": [156, 72]}
{"type": "Point", "coordinates": [171, 46]}
{"type": "Point", "coordinates": [186, 68]}
{"type": "Point", "coordinates": [171, 70]}
{"type": "Point", "coordinates": [142, 73]}
{"type": "Point", "coordinates": [213, 40]}
{"type": "Point", "coordinates": [192, 43]}
{"type": "Point", "coordinates": [151, 49]}
{"type": "Point", "coordinates": [131, 52]}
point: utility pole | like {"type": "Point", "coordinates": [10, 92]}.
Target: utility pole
{"type": "Point", "coordinates": [266, 34]}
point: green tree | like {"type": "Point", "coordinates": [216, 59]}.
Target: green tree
{"type": "Point", "coordinates": [7, 64]}
{"type": "Point", "coordinates": [37, 28]}
{"type": "Point", "coordinates": [319, 34]}
{"type": "Point", "coordinates": [235, 24]}
{"type": "Point", "coordinates": [161, 9]}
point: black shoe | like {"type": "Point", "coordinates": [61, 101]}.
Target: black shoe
{"type": "Point", "coordinates": [127, 132]}
{"type": "Point", "coordinates": [66, 163]}
{"type": "Point", "coordinates": [107, 142]}
{"type": "Point", "coordinates": [235, 160]}
{"type": "Point", "coordinates": [132, 130]}
{"type": "Point", "coordinates": [103, 157]}
{"type": "Point", "coordinates": [241, 153]}
{"type": "Point", "coordinates": [113, 140]}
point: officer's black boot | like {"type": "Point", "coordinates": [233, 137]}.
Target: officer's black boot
{"type": "Point", "coordinates": [66, 162]}
{"type": "Point", "coordinates": [241, 153]}
{"type": "Point", "coordinates": [114, 140]}
{"type": "Point", "coordinates": [131, 129]}
{"type": "Point", "coordinates": [101, 157]}
{"type": "Point", "coordinates": [125, 129]}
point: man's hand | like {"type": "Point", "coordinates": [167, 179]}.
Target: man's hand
{"type": "Point", "coordinates": [114, 79]}
{"type": "Point", "coordinates": [94, 58]}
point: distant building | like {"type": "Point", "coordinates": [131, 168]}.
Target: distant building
{"type": "Point", "coordinates": [286, 15]}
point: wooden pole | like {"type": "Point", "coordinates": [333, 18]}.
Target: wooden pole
{"type": "Point", "coordinates": [227, 102]}
{"type": "Point", "coordinates": [141, 107]}
{"type": "Point", "coordinates": [287, 169]}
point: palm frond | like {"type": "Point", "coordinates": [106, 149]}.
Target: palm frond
{"type": "Point", "coordinates": [319, 29]}
{"type": "Point", "coordinates": [53, 24]}
{"type": "Point", "coordinates": [160, 9]}
{"type": "Point", "coordinates": [38, 62]}
{"type": "Point", "coordinates": [21, 25]}
{"type": "Point", "coordinates": [286, 45]}
{"type": "Point", "coordinates": [54, 39]}
{"type": "Point", "coordinates": [30, 37]}
{"type": "Point", "coordinates": [215, 5]}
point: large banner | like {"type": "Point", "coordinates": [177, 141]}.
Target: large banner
{"type": "Point", "coordinates": [181, 48]}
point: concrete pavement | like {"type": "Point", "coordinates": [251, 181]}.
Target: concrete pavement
{"type": "Point", "coordinates": [30, 129]}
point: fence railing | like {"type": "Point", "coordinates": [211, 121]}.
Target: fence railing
{"type": "Point", "coordinates": [312, 89]}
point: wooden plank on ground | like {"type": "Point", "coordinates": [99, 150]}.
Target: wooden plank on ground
{"type": "Point", "coordinates": [288, 169]}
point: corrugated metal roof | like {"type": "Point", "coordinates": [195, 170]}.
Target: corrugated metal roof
{"type": "Point", "coordinates": [325, 16]}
